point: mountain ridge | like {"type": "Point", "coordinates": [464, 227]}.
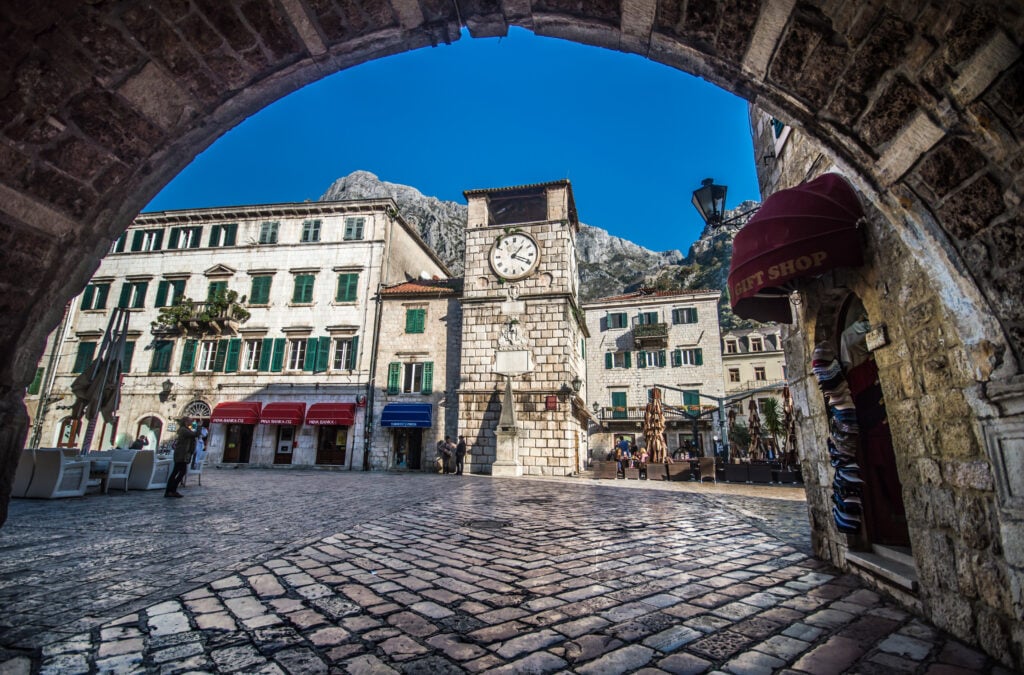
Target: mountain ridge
{"type": "Point", "coordinates": [608, 265]}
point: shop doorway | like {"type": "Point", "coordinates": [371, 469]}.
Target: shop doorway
{"type": "Point", "coordinates": [884, 515]}
{"type": "Point", "coordinates": [331, 445]}
{"type": "Point", "coordinates": [408, 449]}
{"type": "Point", "coordinates": [285, 444]}
{"type": "Point", "coordinates": [237, 443]}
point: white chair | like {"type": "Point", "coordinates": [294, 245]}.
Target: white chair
{"type": "Point", "coordinates": [121, 461]}
{"type": "Point", "coordinates": [58, 475]}
{"type": "Point", "coordinates": [195, 469]}
{"type": "Point", "coordinates": [148, 472]}
{"type": "Point", "coordinates": [23, 474]}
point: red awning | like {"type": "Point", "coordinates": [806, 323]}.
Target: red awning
{"type": "Point", "coordinates": [340, 414]}
{"type": "Point", "coordinates": [237, 412]}
{"type": "Point", "coordinates": [800, 232]}
{"type": "Point", "coordinates": [283, 412]}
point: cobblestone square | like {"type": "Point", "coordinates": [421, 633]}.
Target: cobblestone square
{"type": "Point", "coordinates": [304, 571]}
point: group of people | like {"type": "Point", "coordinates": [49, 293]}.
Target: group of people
{"type": "Point", "coordinates": [451, 457]}
{"type": "Point", "coordinates": [627, 455]}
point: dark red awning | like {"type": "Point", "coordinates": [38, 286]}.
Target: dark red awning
{"type": "Point", "coordinates": [283, 412]}
{"type": "Point", "coordinates": [800, 232]}
{"type": "Point", "coordinates": [237, 412]}
{"type": "Point", "coordinates": [339, 414]}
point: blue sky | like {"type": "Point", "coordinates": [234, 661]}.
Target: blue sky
{"type": "Point", "coordinates": [633, 136]}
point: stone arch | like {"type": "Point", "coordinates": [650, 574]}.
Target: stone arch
{"type": "Point", "coordinates": [103, 103]}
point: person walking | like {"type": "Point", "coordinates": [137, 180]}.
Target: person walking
{"type": "Point", "coordinates": [184, 446]}
{"type": "Point", "coordinates": [460, 455]}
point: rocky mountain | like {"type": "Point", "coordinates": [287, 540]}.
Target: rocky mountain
{"type": "Point", "coordinates": [608, 265]}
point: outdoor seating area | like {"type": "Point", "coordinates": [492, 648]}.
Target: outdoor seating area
{"type": "Point", "coordinates": [701, 469]}
{"type": "Point", "coordinates": [54, 473]}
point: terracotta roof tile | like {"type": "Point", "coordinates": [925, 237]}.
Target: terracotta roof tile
{"type": "Point", "coordinates": [648, 293]}
{"type": "Point", "coordinates": [424, 286]}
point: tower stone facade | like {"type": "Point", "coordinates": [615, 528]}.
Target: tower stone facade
{"type": "Point", "coordinates": [521, 296]}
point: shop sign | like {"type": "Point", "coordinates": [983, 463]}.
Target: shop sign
{"type": "Point", "coordinates": [876, 338]}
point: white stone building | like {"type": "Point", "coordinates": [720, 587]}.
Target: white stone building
{"type": "Point", "coordinates": [647, 338]}
{"type": "Point", "coordinates": [417, 370]}
{"type": "Point", "coordinates": [753, 360]}
{"type": "Point", "coordinates": [290, 385]}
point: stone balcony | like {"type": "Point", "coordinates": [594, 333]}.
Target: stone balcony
{"type": "Point", "coordinates": [650, 335]}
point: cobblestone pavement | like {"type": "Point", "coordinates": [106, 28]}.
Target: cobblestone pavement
{"type": "Point", "coordinates": [316, 572]}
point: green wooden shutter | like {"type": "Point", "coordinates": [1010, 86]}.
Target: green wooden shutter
{"type": "Point", "coordinates": [609, 360]}
{"type": "Point", "coordinates": [188, 356]}
{"type": "Point", "coordinates": [215, 289]}
{"type": "Point", "coordinates": [162, 350]}
{"type": "Point", "coordinates": [698, 357]}
{"type": "Point", "coordinates": [158, 240]}
{"type": "Point", "coordinates": [428, 377]}
{"type": "Point", "coordinates": [161, 293]}
{"type": "Point", "coordinates": [174, 237]}
{"type": "Point", "coordinates": [277, 361]}
{"type": "Point", "coordinates": [629, 356]}
{"type": "Point", "coordinates": [353, 351]}
{"type": "Point", "coordinates": [87, 296]}
{"type": "Point", "coordinates": [129, 353]}
{"type": "Point", "coordinates": [661, 358]}
{"type": "Point", "coordinates": [140, 294]}
{"type": "Point", "coordinates": [691, 398]}
{"type": "Point", "coordinates": [394, 374]}
{"type": "Point", "coordinates": [230, 232]}
{"type": "Point", "coordinates": [677, 358]}
{"type": "Point", "coordinates": [220, 356]}
{"type": "Point", "coordinates": [265, 354]}
{"type": "Point", "coordinates": [309, 362]}
{"type": "Point", "coordinates": [641, 359]}
{"type": "Point", "coordinates": [137, 240]}
{"type": "Point", "coordinates": [415, 319]}
{"type": "Point", "coordinates": [234, 352]}
{"type": "Point", "coordinates": [323, 355]}
{"type": "Point", "coordinates": [102, 291]}
{"type": "Point", "coordinates": [126, 295]}
{"type": "Point", "coordinates": [197, 237]}
{"type": "Point", "coordinates": [303, 288]}
{"type": "Point", "coordinates": [215, 235]}
{"type": "Point", "coordinates": [178, 285]}
{"type": "Point", "coordinates": [347, 287]}
{"type": "Point", "coordinates": [119, 247]}
{"type": "Point", "coordinates": [37, 382]}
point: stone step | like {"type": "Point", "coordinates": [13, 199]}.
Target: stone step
{"type": "Point", "coordinates": [900, 554]}
{"type": "Point", "coordinates": [897, 573]}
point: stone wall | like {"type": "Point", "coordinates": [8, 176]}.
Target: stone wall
{"type": "Point", "coordinates": [934, 391]}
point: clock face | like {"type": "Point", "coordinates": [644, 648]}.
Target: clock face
{"type": "Point", "coordinates": [514, 256]}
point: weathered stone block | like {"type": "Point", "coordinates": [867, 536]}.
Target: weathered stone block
{"type": "Point", "coordinates": [973, 207]}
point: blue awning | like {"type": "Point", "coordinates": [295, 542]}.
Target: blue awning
{"type": "Point", "coordinates": [407, 415]}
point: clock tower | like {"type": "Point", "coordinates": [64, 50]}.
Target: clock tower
{"type": "Point", "coordinates": [522, 326]}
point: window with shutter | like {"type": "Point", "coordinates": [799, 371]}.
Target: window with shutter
{"type": "Point", "coordinates": [188, 356]}
{"type": "Point", "coordinates": [323, 354]}
{"type": "Point", "coordinates": [394, 377]}
{"type": "Point", "coordinates": [277, 361]}
{"type": "Point", "coordinates": [87, 296]}
{"type": "Point", "coordinates": [221, 356]}
{"type": "Point", "coordinates": [348, 286]}
{"type": "Point", "coordinates": [234, 352]}
{"type": "Point", "coordinates": [354, 228]}
{"type": "Point", "coordinates": [310, 231]}
{"type": "Point", "coordinates": [415, 320]}
{"type": "Point", "coordinates": [691, 398]}
{"type": "Point", "coordinates": [37, 382]}
{"type": "Point", "coordinates": [266, 355]}
{"type": "Point", "coordinates": [428, 378]}
{"type": "Point", "coordinates": [230, 233]}
{"type": "Point", "coordinates": [129, 354]}
{"type": "Point", "coordinates": [161, 361]}
{"type": "Point", "coordinates": [353, 353]}
{"type": "Point", "coordinates": [297, 354]}
{"type": "Point", "coordinates": [309, 360]}
{"type": "Point", "coordinates": [260, 292]}
{"type": "Point", "coordinates": [161, 293]}
{"type": "Point", "coordinates": [303, 289]}
{"type": "Point", "coordinates": [641, 359]}
{"type": "Point", "coordinates": [268, 233]}
{"type": "Point", "coordinates": [215, 289]}
{"type": "Point", "coordinates": [609, 359]}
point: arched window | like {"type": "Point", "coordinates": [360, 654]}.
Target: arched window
{"type": "Point", "coordinates": [197, 410]}
{"type": "Point", "coordinates": [151, 427]}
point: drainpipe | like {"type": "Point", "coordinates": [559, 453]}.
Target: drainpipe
{"type": "Point", "coordinates": [50, 376]}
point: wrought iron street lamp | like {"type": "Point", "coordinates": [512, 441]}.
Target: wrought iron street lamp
{"type": "Point", "coordinates": [577, 384]}
{"type": "Point", "coordinates": [709, 200]}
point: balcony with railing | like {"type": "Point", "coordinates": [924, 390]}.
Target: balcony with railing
{"type": "Point", "coordinates": [650, 335]}
{"type": "Point", "coordinates": [219, 316]}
